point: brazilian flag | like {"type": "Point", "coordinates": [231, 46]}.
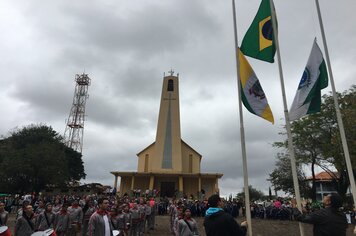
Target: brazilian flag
{"type": "Point", "coordinates": [258, 41]}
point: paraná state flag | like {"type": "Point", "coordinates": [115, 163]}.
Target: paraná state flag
{"type": "Point", "coordinates": [258, 41]}
{"type": "Point", "coordinates": [315, 77]}
{"type": "Point", "coordinates": [252, 95]}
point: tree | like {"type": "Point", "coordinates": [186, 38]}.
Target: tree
{"type": "Point", "coordinates": [75, 164]}
{"type": "Point", "coordinates": [269, 193]}
{"type": "Point", "coordinates": [317, 142]}
{"type": "Point", "coordinates": [254, 194]}
{"type": "Point", "coordinates": [281, 177]}
{"type": "Point", "coordinates": [34, 158]}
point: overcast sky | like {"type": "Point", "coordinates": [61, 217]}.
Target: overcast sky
{"type": "Point", "coordinates": [126, 46]}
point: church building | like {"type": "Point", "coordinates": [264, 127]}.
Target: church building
{"type": "Point", "coordinates": [169, 164]}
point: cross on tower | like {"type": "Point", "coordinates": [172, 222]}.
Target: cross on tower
{"type": "Point", "coordinates": [171, 72]}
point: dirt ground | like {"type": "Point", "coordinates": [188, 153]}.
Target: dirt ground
{"type": "Point", "coordinates": [259, 227]}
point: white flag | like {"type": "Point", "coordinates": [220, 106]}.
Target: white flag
{"type": "Point", "coordinates": [315, 77]}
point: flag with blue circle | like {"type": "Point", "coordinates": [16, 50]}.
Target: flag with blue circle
{"type": "Point", "coordinates": [315, 77]}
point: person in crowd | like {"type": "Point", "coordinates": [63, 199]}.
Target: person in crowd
{"type": "Point", "coordinates": [25, 225]}
{"type": "Point", "coordinates": [175, 223]}
{"type": "Point", "coordinates": [119, 220]}
{"type": "Point", "coordinates": [113, 217]}
{"type": "Point", "coordinates": [187, 226]}
{"type": "Point", "coordinates": [154, 210]}
{"type": "Point", "coordinates": [217, 222]}
{"type": "Point", "coordinates": [135, 220]}
{"type": "Point", "coordinates": [99, 222]}
{"type": "Point", "coordinates": [83, 201]}
{"type": "Point", "coordinates": [148, 217]}
{"type": "Point", "coordinates": [4, 215]}
{"type": "Point", "coordinates": [142, 209]}
{"type": "Point", "coordinates": [127, 218]}
{"type": "Point", "coordinates": [173, 212]}
{"type": "Point", "coordinates": [57, 206]}
{"type": "Point", "coordinates": [45, 220]}
{"type": "Point", "coordinates": [20, 211]}
{"type": "Point", "coordinates": [9, 201]}
{"type": "Point", "coordinates": [329, 221]}
{"type": "Point", "coordinates": [62, 221]}
{"type": "Point", "coordinates": [76, 218]}
{"type": "Point", "coordinates": [277, 203]}
{"type": "Point", "coordinates": [88, 210]}
{"type": "Point", "coordinates": [40, 207]}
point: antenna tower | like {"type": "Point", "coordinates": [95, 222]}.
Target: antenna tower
{"type": "Point", "coordinates": [73, 133]}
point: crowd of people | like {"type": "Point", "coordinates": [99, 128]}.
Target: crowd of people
{"type": "Point", "coordinates": [73, 215]}
{"type": "Point", "coordinates": [134, 215]}
{"type": "Point", "coordinates": [89, 214]}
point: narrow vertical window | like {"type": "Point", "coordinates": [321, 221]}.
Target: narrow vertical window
{"type": "Point", "coordinates": [190, 163]}
{"type": "Point", "coordinates": [170, 87]}
{"type": "Point", "coordinates": [146, 162]}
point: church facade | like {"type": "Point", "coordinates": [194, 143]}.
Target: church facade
{"type": "Point", "coordinates": [169, 164]}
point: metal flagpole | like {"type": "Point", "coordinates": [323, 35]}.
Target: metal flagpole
{"type": "Point", "coordinates": [242, 130]}
{"type": "Point", "coordinates": [337, 108]}
{"type": "Point", "coordinates": [286, 116]}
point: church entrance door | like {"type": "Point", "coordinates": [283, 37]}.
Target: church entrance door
{"type": "Point", "coordinates": [167, 189]}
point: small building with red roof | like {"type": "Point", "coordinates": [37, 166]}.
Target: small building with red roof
{"type": "Point", "coordinates": [324, 183]}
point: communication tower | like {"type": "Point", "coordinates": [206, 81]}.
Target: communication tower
{"type": "Point", "coordinates": [73, 133]}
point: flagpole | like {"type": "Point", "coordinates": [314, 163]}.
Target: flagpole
{"type": "Point", "coordinates": [337, 108]}
{"type": "Point", "coordinates": [286, 116]}
{"type": "Point", "coordinates": [242, 130]}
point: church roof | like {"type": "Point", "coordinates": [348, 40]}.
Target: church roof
{"type": "Point", "coordinates": [200, 156]}
{"type": "Point", "coordinates": [145, 148]}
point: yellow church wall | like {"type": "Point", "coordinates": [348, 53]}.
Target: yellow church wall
{"type": "Point", "coordinates": [142, 183]}
{"type": "Point", "coordinates": [191, 186]}
{"type": "Point", "coordinates": [141, 163]}
{"type": "Point", "coordinates": [190, 159]}
{"type": "Point", "coordinates": [145, 159]}
{"type": "Point", "coordinates": [139, 183]}
{"type": "Point", "coordinates": [208, 185]}
{"type": "Point", "coordinates": [125, 185]}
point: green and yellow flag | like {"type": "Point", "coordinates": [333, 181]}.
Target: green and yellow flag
{"type": "Point", "coordinates": [258, 41]}
{"type": "Point", "coordinates": [252, 93]}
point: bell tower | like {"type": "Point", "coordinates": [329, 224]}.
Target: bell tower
{"type": "Point", "coordinates": [168, 149]}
